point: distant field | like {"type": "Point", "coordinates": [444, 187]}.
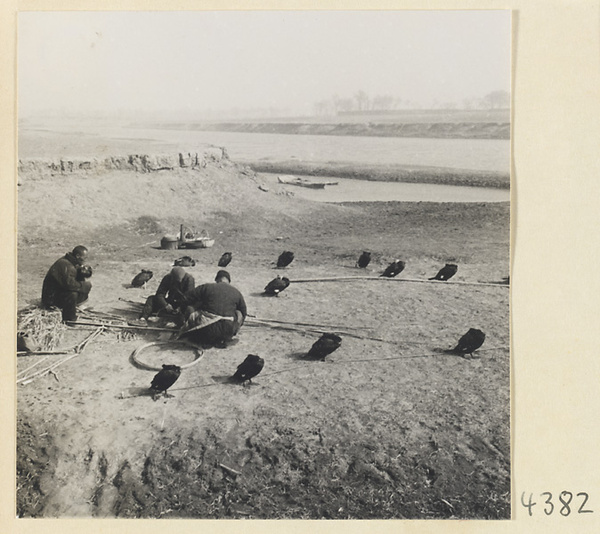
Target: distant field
{"type": "Point", "coordinates": [406, 116]}
{"type": "Point", "coordinates": [493, 124]}
{"type": "Point", "coordinates": [438, 130]}
{"type": "Point", "coordinates": [426, 115]}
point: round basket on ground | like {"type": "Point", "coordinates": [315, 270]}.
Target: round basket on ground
{"type": "Point", "coordinates": [169, 242]}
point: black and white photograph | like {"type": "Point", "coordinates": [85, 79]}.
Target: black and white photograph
{"type": "Point", "coordinates": [263, 264]}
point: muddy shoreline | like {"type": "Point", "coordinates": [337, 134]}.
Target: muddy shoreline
{"type": "Point", "coordinates": [430, 175]}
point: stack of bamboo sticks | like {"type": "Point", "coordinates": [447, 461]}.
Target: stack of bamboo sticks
{"type": "Point", "coordinates": [76, 349]}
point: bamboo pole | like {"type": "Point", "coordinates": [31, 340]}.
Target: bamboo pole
{"type": "Point", "coordinates": [333, 279]}
{"type": "Point", "coordinates": [28, 379]}
{"type": "Point", "coordinates": [312, 330]}
{"type": "Point", "coordinates": [267, 323]}
{"type": "Point", "coordinates": [50, 352]}
{"type": "Point", "coordinates": [384, 278]}
{"type": "Point", "coordinates": [423, 355]}
{"type": "Point", "coordinates": [431, 353]}
{"type": "Point", "coordinates": [131, 301]}
{"type": "Point", "coordinates": [34, 365]}
{"type": "Point", "coordinates": [98, 315]}
{"type": "Point", "coordinates": [253, 317]}
{"type": "Point", "coordinates": [42, 352]}
{"type": "Point", "coordinates": [78, 349]}
{"type": "Point", "coordinates": [125, 326]}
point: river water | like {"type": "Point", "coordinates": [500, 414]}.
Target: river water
{"type": "Point", "coordinates": [470, 154]}
{"type": "Point", "coordinates": [348, 190]}
{"type": "Point", "coordinates": [88, 141]}
{"type": "Point", "coordinates": [473, 154]}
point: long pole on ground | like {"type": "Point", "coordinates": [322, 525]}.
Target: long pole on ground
{"type": "Point", "coordinates": [125, 326]}
{"type": "Point", "coordinates": [78, 350]}
{"type": "Point", "coordinates": [386, 279]}
{"type": "Point", "coordinates": [267, 324]}
{"type": "Point", "coordinates": [295, 323]}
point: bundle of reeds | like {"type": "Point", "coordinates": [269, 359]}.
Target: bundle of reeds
{"type": "Point", "coordinates": [43, 327]}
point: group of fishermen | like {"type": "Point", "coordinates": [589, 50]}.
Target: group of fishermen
{"type": "Point", "coordinates": [210, 314]}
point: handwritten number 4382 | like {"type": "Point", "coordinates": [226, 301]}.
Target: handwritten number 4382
{"type": "Point", "coordinates": [564, 506]}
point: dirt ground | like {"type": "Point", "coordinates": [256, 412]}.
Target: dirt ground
{"type": "Point", "coordinates": [389, 426]}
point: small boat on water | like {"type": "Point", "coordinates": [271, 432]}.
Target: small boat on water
{"type": "Point", "coordinates": [303, 182]}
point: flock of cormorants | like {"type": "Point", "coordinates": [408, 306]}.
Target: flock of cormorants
{"type": "Point", "coordinates": [325, 345]}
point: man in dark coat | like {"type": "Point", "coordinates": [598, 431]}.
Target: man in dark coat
{"type": "Point", "coordinates": [170, 295]}
{"type": "Point", "coordinates": [63, 287]}
{"type": "Point", "coordinates": [215, 312]}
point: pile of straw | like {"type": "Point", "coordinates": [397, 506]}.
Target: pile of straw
{"type": "Point", "coordinates": [43, 327]}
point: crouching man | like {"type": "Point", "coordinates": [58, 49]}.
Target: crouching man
{"type": "Point", "coordinates": [215, 312]}
{"type": "Point", "coordinates": [66, 285]}
{"type": "Point", "coordinates": [169, 297]}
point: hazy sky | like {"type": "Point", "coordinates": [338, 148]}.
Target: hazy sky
{"type": "Point", "coordinates": [195, 60]}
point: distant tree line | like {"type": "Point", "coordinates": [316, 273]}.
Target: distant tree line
{"type": "Point", "coordinates": [361, 101]}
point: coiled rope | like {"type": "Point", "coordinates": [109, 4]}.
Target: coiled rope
{"type": "Point", "coordinates": [135, 355]}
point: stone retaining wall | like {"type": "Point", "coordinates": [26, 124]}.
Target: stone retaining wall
{"type": "Point", "coordinates": [142, 163]}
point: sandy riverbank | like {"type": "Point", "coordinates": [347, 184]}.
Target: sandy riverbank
{"type": "Point", "coordinates": [415, 433]}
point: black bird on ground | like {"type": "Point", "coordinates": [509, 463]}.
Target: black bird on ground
{"type": "Point", "coordinates": [469, 343]}
{"type": "Point", "coordinates": [324, 346]}
{"type": "Point", "coordinates": [393, 269]}
{"type": "Point", "coordinates": [285, 258]}
{"type": "Point", "coordinates": [446, 272]}
{"type": "Point", "coordinates": [364, 260]}
{"type": "Point", "coordinates": [225, 259]}
{"type": "Point", "coordinates": [140, 279]}
{"type": "Point", "coordinates": [248, 369]}
{"type": "Point", "coordinates": [277, 285]}
{"type": "Point", "coordinates": [185, 261]}
{"type": "Point", "coordinates": [83, 272]}
{"type": "Point", "coordinates": [164, 379]}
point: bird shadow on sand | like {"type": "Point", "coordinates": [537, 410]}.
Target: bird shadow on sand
{"type": "Point", "coordinates": [231, 343]}
{"type": "Point", "coordinates": [223, 379]}
{"type": "Point", "coordinates": [452, 352]}
{"type": "Point", "coordinates": [359, 269]}
{"type": "Point", "coordinates": [299, 356]}
{"type": "Point", "coordinates": [263, 294]}
{"type": "Point", "coordinates": [137, 391]}
{"type": "Point", "coordinates": [230, 381]}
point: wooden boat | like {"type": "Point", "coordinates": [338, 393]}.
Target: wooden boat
{"type": "Point", "coordinates": [303, 182]}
